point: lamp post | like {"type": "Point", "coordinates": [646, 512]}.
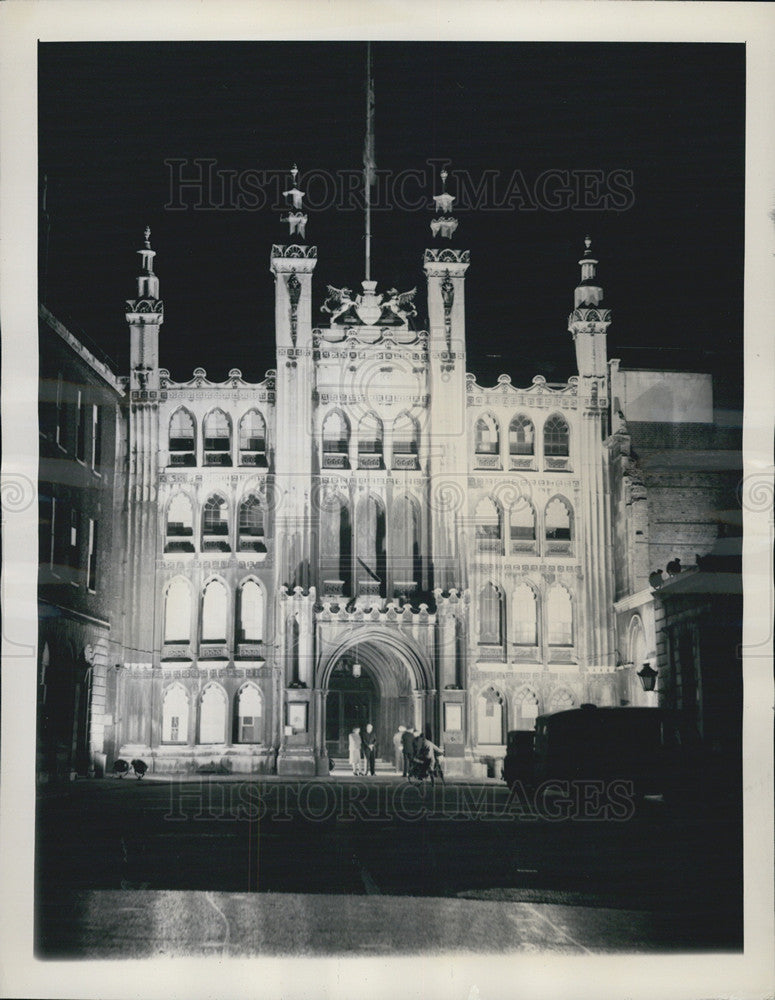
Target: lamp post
{"type": "Point", "coordinates": [648, 677]}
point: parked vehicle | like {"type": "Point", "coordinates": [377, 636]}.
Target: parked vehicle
{"type": "Point", "coordinates": [651, 747]}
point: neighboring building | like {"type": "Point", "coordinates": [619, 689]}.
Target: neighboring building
{"type": "Point", "coordinates": [676, 470]}
{"type": "Point", "coordinates": [82, 458]}
{"type": "Point", "coordinates": [367, 534]}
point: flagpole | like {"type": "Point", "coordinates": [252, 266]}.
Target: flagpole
{"type": "Point", "coordinates": [368, 156]}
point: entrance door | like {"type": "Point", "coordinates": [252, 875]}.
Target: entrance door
{"type": "Point", "coordinates": [350, 701]}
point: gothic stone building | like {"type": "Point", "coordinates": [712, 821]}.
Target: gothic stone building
{"type": "Point", "coordinates": [366, 535]}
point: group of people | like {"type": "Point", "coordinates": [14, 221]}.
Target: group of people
{"type": "Point", "coordinates": [410, 747]}
{"type": "Point", "coordinates": [363, 749]}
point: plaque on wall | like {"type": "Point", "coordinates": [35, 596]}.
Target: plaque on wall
{"type": "Point", "coordinates": [453, 718]}
{"type": "Point", "coordinates": [297, 716]}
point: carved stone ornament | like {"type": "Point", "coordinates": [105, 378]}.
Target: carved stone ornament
{"type": "Point", "coordinates": [294, 293]}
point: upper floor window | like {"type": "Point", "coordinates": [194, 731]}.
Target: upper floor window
{"type": "Point", "coordinates": [217, 438]}
{"type": "Point", "coordinates": [252, 439]}
{"type": "Point", "coordinates": [370, 435]}
{"type": "Point", "coordinates": [96, 437]}
{"type": "Point", "coordinates": [488, 526]}
{"type": "Point", "coordinates": [521, 436]}
{"type": "Point", "coordinates": [75, 540]}
{"type": "Point", "coordinates": [177, 611]}
{"type": "Point", "coordinates": [406, 442]}
{"type": "Point", "coordinates": [180, 525]}
{"type": "Point", "coordinates": [336, 434]}
{"type": "Point", "coordinates": [182, 438]}
{"type": "Point", "coordinates": [251, 524]}
{"type": "Point", "coordinates": [525, 624]}
{"type": "Point", "coordinates": [523, 524]}
{"type": "Point", "coordinates": [80, 428]}
{"type": "Point", "coordinates": [487, 437]}
{"type": "Point", "coordinates": [250, 627]}
{"type": "Point", "coordinates": [214, 606]}
{"type": "Point", "coordinates": [559, 611]}
{"type": "Point", "coordinates": [490, 615]}
{"type": "Point", "coordinates": [215, 525]}
{"type": "Point", "coordinates": [61, 428]}
{"type": "Point", "coordinates": [558, 521]}
{"type": "Point", "coordinates": [556, 437]}
{"type": "Point", "coordinates": [91, 562]}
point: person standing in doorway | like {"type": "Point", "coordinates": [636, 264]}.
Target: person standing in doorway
{"type": "Point", "coordinates": [356, 750]}
{"type": "Point", "coordinates": [407, 749]}
{"type": "Point", "coordinates": [397, 748]}
{"type": "Point", "coordinates": [369, 739]}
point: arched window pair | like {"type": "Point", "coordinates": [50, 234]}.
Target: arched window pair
{"type": "Point", "coordinates": [216, 435]}
{"type": "Point", "coordinates": [178, 617]}
{"type": "Point", "coordinates": [215, 525]}
{"type": "Point", "coordinates": [558, 525]}
{"type": "Point", "coordinates": [336, 439]}
{"type": "Point", "coordinates": [559, 616]}
{"type": "Point", "coordinates": [487, 436]}
{"type": "Point", "coordinates": [213, 711]}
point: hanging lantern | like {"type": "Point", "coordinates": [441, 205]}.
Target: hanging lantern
{"type": "Point", "coordinates": [356, 670]}
{"type": "Point", "coordinates": [648, 677]}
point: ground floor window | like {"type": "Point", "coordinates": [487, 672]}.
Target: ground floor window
{"type": "Point", "coordinates": [175, 715]}
{"type": "Point", "coordinates": [490, 718]}
{"type": "Point", "coordinates": [248, 715]}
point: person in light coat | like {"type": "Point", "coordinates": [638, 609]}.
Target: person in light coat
{"type": "Point", "coordinates": [356, 750]}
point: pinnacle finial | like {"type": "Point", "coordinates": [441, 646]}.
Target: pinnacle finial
{"type": "Point", "coordinates": [444, 176]}
{"type": "Point", "coordinates": [294, 172]}
{"type": "Point", "coordinates": [588, 244]}
{"type": "Point", "coordinates": [147, 237]}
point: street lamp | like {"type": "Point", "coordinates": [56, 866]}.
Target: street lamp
{"type": "Point", "coordinates": [648, 677]}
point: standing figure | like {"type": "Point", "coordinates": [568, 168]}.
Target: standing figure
{"type": "Point", "coordinates": [407, 749]}
{"type": "Point", "coordinates": [397, 748]}
{"type": "Point", "coordinates": [356, 750]}
{"type": "Point", "coordinates": [369, 740]}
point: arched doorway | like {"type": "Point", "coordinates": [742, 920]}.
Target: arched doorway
{"type": "Point", "coordinates": [350, 701]}
{"type": "Point", "coordinates": [395, 687]}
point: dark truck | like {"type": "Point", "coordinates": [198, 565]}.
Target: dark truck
{"type": "Point", "coordinates": [649, 747]}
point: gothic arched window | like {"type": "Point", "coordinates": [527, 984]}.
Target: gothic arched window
{"type": "Point", "coordinates": [406, 436]}
{"type": "Point", "coordinates": [521, 436]}
{"type": "Point", "coordinates": [559, 522]}
{"type": "Point", "coordinates": [180, 525]}
{"type": "Point", "coordinates": [177, 611]}
{"type": "Point", "coordinates": [486, 436]}
{"type": "Point", "coordinates": [561, 701]}
{"type": "Point", "coordinates": [212, 715]}
{"type": "Point", "coordinates": [527, 710]}
{"type": "Point", "coordinates": [491, 718]}
{"type": "Point", "coordinates": [174, 715]}
{"type": "Point", "coordinates": [252, 439]}
{"type": "Point", "coordinates": [556, 437]}
{"type": "Point", "coordinates": [336, 441]}
{"type": "Point", "coordinates": [182, 439]}
{"type": "Point", "coordinates": [405, 541]}
{"type": "Point", "coordinates": [214, 605]}
{"type": "Point", "coordinates": [559, 613]}
{"type": "Point", "coordinates": [249, 712]}
{"type": "Point", "coordinates": [525, 609]}
{"type": "Point", "coordinates": [370, 441]}
{"type": "Point", "coordinates": [488, 523]}
{"type": "Point", "coordinates": [251, 525]}
{"type": "Point", "coordinates": [523, 526]}
{"type": "Point", "coordinates": [217, 438]}
{"type": "Point", "coordinates": [336, 545]}
{"type": "Point", "coordinates": [250, 627]}
{"type": "Point", "coordinates": [215, 525]}
{"type": "Point", "coordinates": [490, 616]}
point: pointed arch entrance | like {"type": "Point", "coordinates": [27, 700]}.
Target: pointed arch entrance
{"type": "Point", "coordinates": [394, 687]}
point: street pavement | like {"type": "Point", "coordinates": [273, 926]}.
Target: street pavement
{"type": "Point", "coordinates": [141, 868]}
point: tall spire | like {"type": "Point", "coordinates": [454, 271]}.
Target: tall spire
{"type": "Point", "coordinates": [369, 164]}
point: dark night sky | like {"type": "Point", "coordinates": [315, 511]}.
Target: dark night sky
{"type": "Point", "coordinates": [671, 264]}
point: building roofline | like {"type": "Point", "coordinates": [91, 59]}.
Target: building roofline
{"type": "Point", "coordinates": [98, 367]}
